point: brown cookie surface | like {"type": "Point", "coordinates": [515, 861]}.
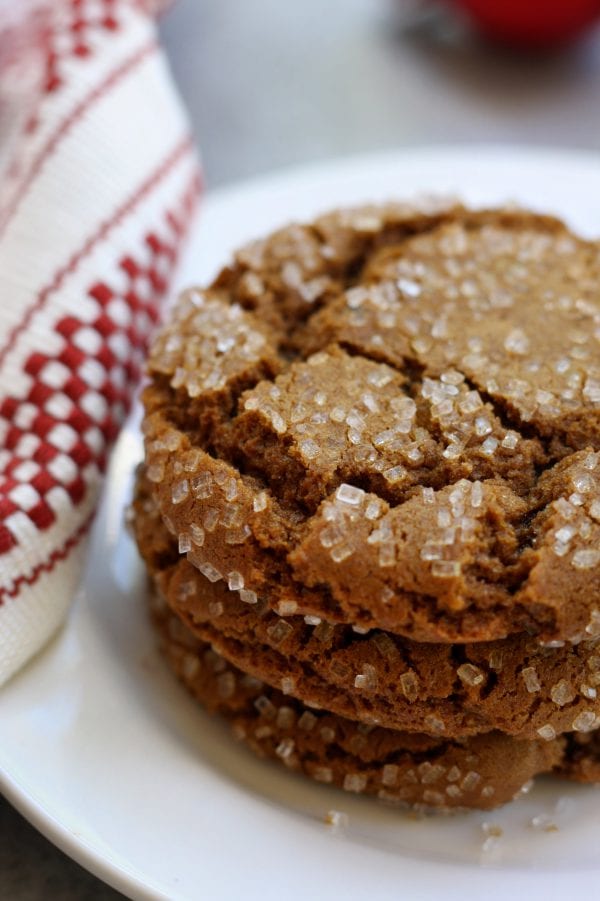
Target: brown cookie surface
{"type": "Point", "coordinates": [390, 419]}
{"type": "Point", "coordinates": [512, 685]}
{"type": "Point", "coordinates": [481, 772]}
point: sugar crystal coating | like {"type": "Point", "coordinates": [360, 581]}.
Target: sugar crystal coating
{"type": "Point", "coordinates": [531, 679]}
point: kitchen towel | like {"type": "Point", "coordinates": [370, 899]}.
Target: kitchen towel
{"type": "Point", "coordinates": [99, 180]}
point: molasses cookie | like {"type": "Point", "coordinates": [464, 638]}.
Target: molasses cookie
{"type": "Point", "coordinates": [390, 419]}
{"type": "Point", "coordinates": [514, 685]}
{"type": "Point", "coordinates": [370, 500]}
{"type": "Point", "coordinates": [402, 768]}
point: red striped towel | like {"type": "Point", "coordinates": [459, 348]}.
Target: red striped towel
{"type": "Point", "coordinates": [98, 183]}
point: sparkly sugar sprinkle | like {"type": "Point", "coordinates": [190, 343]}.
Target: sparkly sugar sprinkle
{"type": "Point", "coordinates": [531, 679]}
{"type": "Point", "coordinates": [230, 490]}
{"type": "Point", "coordinates": [517, 342]}
{"type": "Point", "coordinates": [248, 596]}
{"type": "Point", "coordinates": [348, 494]}
{"type": "Point", "coordinates": [582, 482]}
{"type": "Point", "coordinates": [565, 534]}
{"type": "Point", "coordinates": [444, 518]}
{"type": "Point", "coordinates": [586, 559]}
{"type": "Point", "coordinates": [434, 725]}
{"type": "Point", "coordinates": [410, 686]}
{"type": "Point", "coordinates": [185, 543]}
{"type": "Point", "coordinates": [543, 822]}
{"type": "Point", "coordinates": [260, 502]}
{"type": "Point", "coordinates": [593, 626]}
{"type": "Point", "coordinates": [197, 533]}
{"type": "Point", "coordinates": [186, 589]}
{"type": "Point", "coordinates": [155, 472]}
{"type": "Point", "coordinates": [216, 608]}
{"type": "Point", "coordinates": [330, 535]}
{"type": "Point", "coordinates": [430, 772]}
{"type": "Point", "coordinates": [585, 721]}
{"type": "Point", "coordinates": [374, 509]}
{"type": "Point", "coordinates": [340, 552]}
{"type": "Point", "coordinates": [309, 449]}
{"type": "Point", "coordinates": [231, 516]}
{"type": "Point", "coordinates": [476, 494]}
{"type": "Point", "coordinates": [279, 631]}
{"type": "Point", "coordinates": [470, 781]}
{"type": "Point", "coordinates": [562, 693]}
{"type": "Point", "coordinates": [387, 555]}
{"type": "Point", "coordinates": [210, 571]}
{"type": "Point", "coordinates": [510, 440]}
{"type": "Point", "coordinates": [180, 491]}
{"type": "Point", "coordinates": [563, 507]}
{"type": "Point", "coordinates": [395, 474]}
{"type": "Point", "coordinates": [482, 426]}
{"type": "Point", "coordinates": [288, 684]}
{"type": "Point", "coordinates": [496, 660]}
{"type": "Point", "coordinates": [489, 446]}
{"type": "Point", "coordinates": [446, 569]}
{"type": "Point", "coordinates": [285, 748]}
{"type": "Point", "coordinates": [210, 520]}
{"type": "Point", "coordinates": [334, 818]}
{"type": "Point", "coordinates": [431, 551]}
{"type": "Point", "coordinates": [287, 607]}
{"type": "Point", "coordinates": [202, 485]}
{"type": "Point", "coordinates": [470, 675]}
{"type": "Point", "coordinates": [385, 645]}
{"type": "Point", "coordinates": [366, 680]}
{"type": "Point", "coordinates": [355, 782]}
{"type": "Point", "coordinates": [238, 537]}
{"type": "Point", "coordinates": [235, 581]}
{"type": "Point", "coordinates": [387, 595]}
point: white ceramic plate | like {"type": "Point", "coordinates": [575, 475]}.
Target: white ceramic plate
{"type": "Point", "coordinates": [105, 753]}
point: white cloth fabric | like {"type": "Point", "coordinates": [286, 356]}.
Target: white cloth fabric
{"type": "Point", "coordinates": [98, 183]}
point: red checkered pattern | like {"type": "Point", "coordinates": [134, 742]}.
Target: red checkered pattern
{"type": "Point", "coordinates": [72, 32]}
{"type": "Point", "coordinates": [98, 183]}
{"type": "Point", "coordinates": [78, 397]}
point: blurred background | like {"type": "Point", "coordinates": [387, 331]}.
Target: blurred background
{"type": "Point", "coordinates": [270, 83]}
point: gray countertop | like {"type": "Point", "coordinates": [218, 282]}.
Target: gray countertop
{"type": "Point", "coordinates": [269, 84]}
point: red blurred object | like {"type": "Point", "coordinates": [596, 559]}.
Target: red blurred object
{"type": "Point", "coordinates": [532, 23]}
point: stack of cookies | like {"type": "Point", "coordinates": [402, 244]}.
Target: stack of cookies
{"type": "Point", "coordinates": [370, 500]}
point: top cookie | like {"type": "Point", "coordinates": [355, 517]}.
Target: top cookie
{"type": "Point", "coordinates": [391, 418]}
